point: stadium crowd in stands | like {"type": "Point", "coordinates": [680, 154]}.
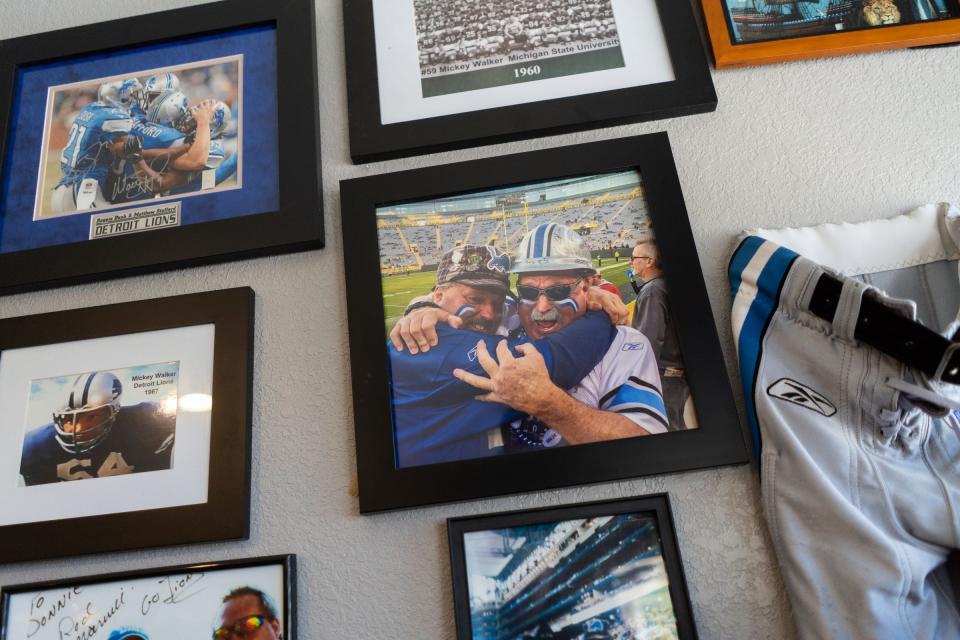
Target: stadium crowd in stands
{"type": "Point", "coordinates": [565, 582]}
{"type": "Point", "coordinates": [614, 222]}
{"type": "Point", "coordinates": [448, 31]}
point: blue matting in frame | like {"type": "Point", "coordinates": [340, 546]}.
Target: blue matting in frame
{"type": "Point", "coordinates": [259, 153]}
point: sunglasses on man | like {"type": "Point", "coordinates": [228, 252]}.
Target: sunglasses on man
{"type": "Point", "coordinates": [241, 628]}
{"type": "Point", "coordinates": [555, 293]}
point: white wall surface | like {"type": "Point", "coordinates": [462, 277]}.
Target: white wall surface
{"type": "Point", "coordinates": [795, 144]}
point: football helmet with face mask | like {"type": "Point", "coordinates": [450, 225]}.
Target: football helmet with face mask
{"type": "Point", "coordinates": [91, 410]}
{"type": "Point", "coordinates": [158, 85]}
{"type": "Point", "coordinates": [171, 109]}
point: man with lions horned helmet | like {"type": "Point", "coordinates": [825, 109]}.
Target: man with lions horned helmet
{"type": "Point", "coordinates": [436, 418]}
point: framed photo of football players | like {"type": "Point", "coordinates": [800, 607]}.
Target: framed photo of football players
{"type": "Point", "coordinates": [607, 569]}
{"type": "Point", "coordinates": [747, 32]}
{"type": "Point", "coordinates": [430, 75]}
{"type": "Point", "coordinates": [248, 598]}
{"type": "Point", "coordinates": [130, 417]}
{"type": "Point", "coordinates": [158, 142]}
{"type": "Point", "coordinates": [527, 322]}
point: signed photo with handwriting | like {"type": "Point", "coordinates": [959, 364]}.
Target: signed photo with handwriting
{"type": "Point", "coordinates": [159, 141]}
{"type": "Point", "coordinates": [163, 133]}
{"type": "Point", "coordinates": [236, 599]}
{"type": "Point", "coordinates": [150, 137]}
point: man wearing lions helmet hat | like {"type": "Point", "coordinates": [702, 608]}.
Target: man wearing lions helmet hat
{"type": "Point", "coordinates": [621, 397]}
{"type": "Point", "coordinates": [436, 418]}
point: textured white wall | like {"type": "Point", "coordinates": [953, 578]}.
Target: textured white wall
{"type": "Point", "coordinates": [797, 144]}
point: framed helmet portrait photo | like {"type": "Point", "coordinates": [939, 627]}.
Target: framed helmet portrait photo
{"type": "Point", "coordinates": [136, 419]}
{"type": "Point", "coordinates": [748, 32]}
{"type": "Point", "coordinates": [527, 322]}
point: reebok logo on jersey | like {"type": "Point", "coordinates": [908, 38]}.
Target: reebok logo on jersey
{"type": "Point", "coordinates": [632, 346]}
{"type": "Point", "coordinates": [797, 393]}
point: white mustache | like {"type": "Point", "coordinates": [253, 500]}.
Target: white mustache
{"type": "Point", "coordinates": [550, 316]}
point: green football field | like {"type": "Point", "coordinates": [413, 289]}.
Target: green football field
{"type": "Point", "coordinates": [399, 290]}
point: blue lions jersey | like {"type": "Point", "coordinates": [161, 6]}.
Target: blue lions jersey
{"type": "Point", "coordinates": [158, 136]}
{"type": "Point", "coordinates": [436, 418]}
{"type": "Point", "coordinates": [137, 113]}
{"type": "Point", "coordinates": [141, 440]}
{"type": "Point", "coordinates": [86, 154]}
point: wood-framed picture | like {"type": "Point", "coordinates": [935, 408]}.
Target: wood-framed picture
{"type": "Point", "coordinates": [131, 417]}
{"type": "Point", "coordinates": [429, 75]}
{"type": "Point", "coordinates": [251, 597]}
{"type": "Point", "coordinates": [158, 141]}
{"type": "Point", "coordinates": [598, 570]}
{"type": "Point", "coordinates": [530, 321]}
{"type": "Point", "coordinates": [747, 32]}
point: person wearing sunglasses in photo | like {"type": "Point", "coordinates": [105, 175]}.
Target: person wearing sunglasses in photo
{"type": "Point", "coordinates": [249, 614]}
{"type": "Point", "coordinates": [436, 418]}
{"type": "Point", "coordinates": [618, 396]}
{"type": "Point", "coordinates": [621, 397]}
{"type": "Point", "coordinates": [653, 318]}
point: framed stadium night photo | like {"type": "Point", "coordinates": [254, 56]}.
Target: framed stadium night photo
{"type": "Point", "coordinates": [428, 75]}
{"type": "Point", "coordinates": [136, 419]}
{"type": "Point", "coordinates": [158, 141]}
{"type": "Point", "coordinates": [602, 570]}
{"type": "Point", "coordinates": [527, 322]}
{"type": "Point", "coordinates": [251, 598]}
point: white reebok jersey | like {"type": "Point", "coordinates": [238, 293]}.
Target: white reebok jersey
{"type": "Point", "coordinates": [627, 381]}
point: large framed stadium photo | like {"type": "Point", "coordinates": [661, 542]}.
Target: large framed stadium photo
{"type": "Point", "coordinates": [157, 142]}
{"type": "Point", "coordinates": [248, 598]}
{"type": "Point", "coordinates": [598, 570]}
{"type": "Point", "coordinates": [429, 75]}
{"type": "Point", "coordinates": [530, 321]}
{"type": "Point", "coordinates": [747, 32]}
{"type": "Point", "coordinates": [132, 418]}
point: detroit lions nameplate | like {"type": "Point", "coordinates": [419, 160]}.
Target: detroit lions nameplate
{"type": "Point", "coordinates": [104, 225]}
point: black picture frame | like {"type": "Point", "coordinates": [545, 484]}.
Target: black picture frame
{"type": "Point", "coordinates": [296, 225]}
{"type": "Point", "coordinates": [370, 140]}
{"type": "Point", "coordinates": [165, 596]}
{"type": "Point", "coordinates": [226, 513]}
{"type": "Point", "coordinates": [720, 440]}
{"type": "Point", "coordinates": [656, 505]}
